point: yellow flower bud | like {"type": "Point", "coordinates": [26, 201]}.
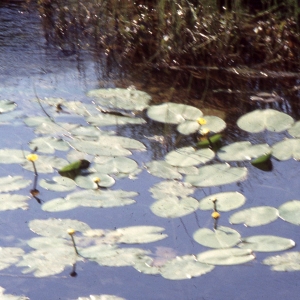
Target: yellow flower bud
{"type": "Point", "coordinates": [71, 231]}
{"type": "Point", "coordinates": [215, 215]}
{"type": "Point", "coordinates": [32, 157]}
{"type": "Point", "coordinates": [201, 121]}
{"type": "Point", "coordinates": [96, 179]}
{"type": "Point", "coordinates": [204, 131]}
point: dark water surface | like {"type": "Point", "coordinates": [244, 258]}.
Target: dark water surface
{"type": "Point", "coordinates": [28, 63]}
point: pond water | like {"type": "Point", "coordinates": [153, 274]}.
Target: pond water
{"type": "Point", "coordinates": [31, 67]}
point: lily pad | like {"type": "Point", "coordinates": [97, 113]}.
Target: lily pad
{"type": "Point", "coordinates": [58, 184]}
{"type": "Point", "coordinates": [266, 243]}
{"type": "Point", "coordinates": [225, 201]}
{"type": "Point", "coordinates": [226, 257]}
{"type": "Point", "coordinates": [268, 119]}
{"type": "Point", "coordinates": [11, 202]}
{"type": "Point", "coordinates": [101, 297]}
{"type": "Point", "coordinates": [90, 198]}
{"type": "Point", "coordinates": [212, 124]}
{"type": "Point", "coordinates": [9, 256]}
{"type": "Point", "coordinates": [6, 105]}
{"type": "Point", "coordinates": [56, 227]}
{"type": "Point", "coordinates": [285, 262]}
{"type": "Point", "coordinates": [290, 212]}
{"type": "Point", "coordinates": [184, 267]}
{"type": "Point", "coordinates": [255, 216]}
{"type": "Point", "coordinates": [222, 237]}
{"type": "Point", "coordinates": [113, 120]}
{"type": "Point", "coordinates": [240, 151]}
{"type": "Point", "coordinates": [162, 169]}
{"type": "Point", "coordinates": [294, 131]}
{"type": "Point", "coordinates": [115, 165]}
{"type": "Point", "coordinates": [217, 174]}
{"type": "Point", "coordinates": [89, 181]}
{"type": "Point", "coordinates": [48, 144]}
{"type": "Point", "coordinates": [9, 296]}
{"type": "Point", "coordinates": [13, 156]}
{"type": "Point", "coordinates": [170, 188]}
{"type": "Point", "coordinates": [13, 183]}
{"type": "Point", "coordinates": [129, 99]}
{"type": "Point", "coordinates": [286, 149]}
{"type": "Point", "coordinates": [173, 207]}
{"type": "Point", "coordinates": [173, 113]}
{"type": "Point", "coordinates": [188, 156]}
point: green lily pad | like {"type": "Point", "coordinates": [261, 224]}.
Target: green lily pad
{"type": "Point", "coordinates": [115, 165]}
{"type": "Point", "coordinates": [173, 113]}
{"type": "Point", "coordinates": [222, 237]}
{"type": "Point", "coordinates": [217, 174]}
{"type": "Point", "coordinates": [240, 151]}
{"type": "Point", "coordinates": [88, 182]}
{"type": "Point", "coordinates": [226, 257]}
{"type": "Point", "coordinates": [184, 267]}
{"type": "Point", "coordinates": [268, 119]}
{"type": "Point", "coordinates": [11, 202]}
{"type": "Point", "coordinates": [13, 183]}
{"type": "Point", "coordinates": [13, 156]}
{"type": "Point", "coordinates": [173, 207]}
{"type": "Point", "coordinates": [6, 105]}
{"type": "Point", "coordinates": [9, 256]}
{"type": "Point", "coordinates": [48, 144]}
{"type": "Point", "coordinates": [165, 189]}
{"type": "Point", "coordinates": [162, 169]}
{"type": "Point", "coordinates": [52, 128]}
{"type": "Point", "coordinates": [266, 243]}
{"type": "Point", "coordinates": [225, 201]}
{"type": "Point", "coordinates": [290, 212]}
{"type": "Point", "coordinates": [9, 296]}
{"type": "Point", "coordinates": [255, 216]}
{"type": "Point", "coordinates": [286, 149]}
{"type": "Point", "coordinates": [188, 156]}
{"type": "Point", "coordinates": [129, 99]}
{"type": "Point", "coordinates": [294, 131]}
{"type": "Point", "coordinates": [285, 262]}
{"type": "Point", "coordinates": [90, 198]}
{"type": "Point", "coordinates": [113, 120]}
{"type": "Point", "coordinates": [56, 227]}
{"type": "Point", "coordinates": [58, 184]}
{"type": "Point", "coordinates": [213, 124]}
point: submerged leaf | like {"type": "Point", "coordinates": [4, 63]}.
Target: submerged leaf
{"type": "Point", "coordinates": [255, 216]}
{"type": "Point", "coordinates": [184, 267]}
{"type": "Point", "coordinates": [217, 174]}
{"type": "Point", "coordinates": [225, 201]}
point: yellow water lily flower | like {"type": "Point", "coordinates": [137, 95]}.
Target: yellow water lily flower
{"type": "Point", "coordinates": [215, 215]}
{"type": "Point", "coordinates": [32, 157]}
{"type": "Point", "coordinates": [96, 179]}
{"type": "Point", "coordinates": [201, 121]}
{"type": "Point", "coordinates": [204, 131]}
{"type": "Point", "coordinates": [71, 231]}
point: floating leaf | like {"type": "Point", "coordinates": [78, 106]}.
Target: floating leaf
{"type": "Point", "coordinates": [266, 243]}
{"type": "Point", "coordinates": [145, 264]}
{"type": "Point", "coordinates": [114, 165]}
{"type": "Point", "coordinates": [255, 216]}
{"type": "Point", "coordinates": [6, 105]}
{"type": "Point", "coordinates": [48, 144]}
{"type": "Point", "coordinates": [222, 237]}
{"type": "Point", "coordinates": [13, 183]}
{"type": "Point", "coordinates": [113, 120]}
{"type": "Point", "coordinates": [90, 198]}
{"type": "Point", "coordinates": [217, 174]}
{"type": "Point", "coordinates": [188, 156]}
{"type": "Point", "coordinates": [290, 212]}
{"type": "Point", "coordinates": [10, 117]}
{"type": "Point", "coordinates": [286, 149]}
{"type": "Point", "coordinates": [240, 151]}
{"type": "Point", "coordinates": [56, 227]}
{"type": "Point", "coordinates": [162, 169]}
{"type": "Point", "coordinates": [165, 189]}
{"type": "Point", "coordinates": [9, 256]}
{"type": "Point", "coordinates": [13, 156]}
{"type": "Point", "coordinates": [52, 128]}
{"type": "Point", "coordinates": [294, 131]}
{"type": "Point", "coordinates": [286, 262]}
{"type": "Point", "coordinates": [212, 124]}
{"type": "Point", "coordinates": [58, 184]}
{"type": "Point", "coordinates": [9, 296]}
{"type": "Point", "coordinates": [45, 164]}
{"type": "Point", "coordinates": [89, 181]}
{"type": "Point", "coordinates": [10, 202]}
{"type": "Point", "coordinates": [270, 119]}
{"type": "Point", "coordinates": [261, 160]}
{"type": "Point", "coordinates": [129, 99]}
{"type": "Point", "coordinates": [231, 256]}
{"type": "Point", "coordinates": [173, 113]}
{"type": "Point", "coordinates": [207, 142]}
{"type": "Point", "coordinates": [101, 297]}
{"type": "Point", "coordinates": [184, 267]}
{"type": "Point", "coordinates": [173, 207]}
{"type": "Point", "coordinates": [225, 201]}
